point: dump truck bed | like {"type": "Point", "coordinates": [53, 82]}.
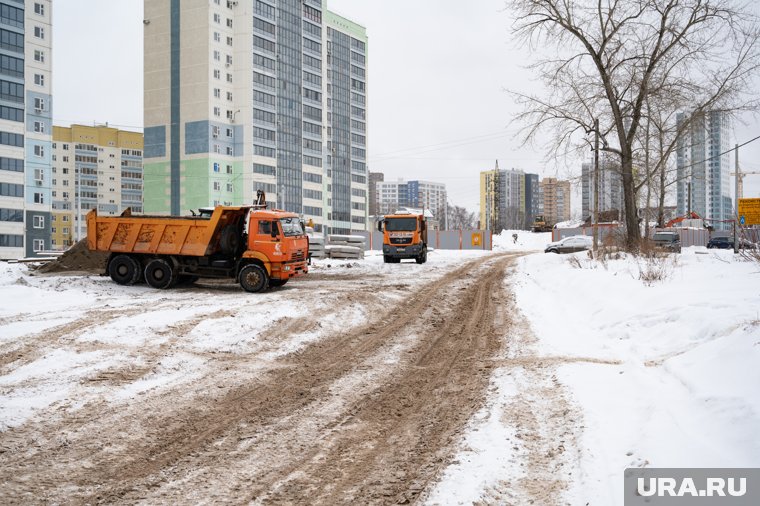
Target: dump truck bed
{"type": "Point", "coordinates": [161, 235]}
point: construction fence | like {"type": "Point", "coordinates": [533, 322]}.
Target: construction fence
{"type": "Point", "coordinates": [689, 236]}
{"type": "Point", "coordinates": [440, 239]}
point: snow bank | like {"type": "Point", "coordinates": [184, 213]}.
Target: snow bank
{"type": "Point", "coordinates": [526, 241]}
{"type": "Point", "coordinates": [680, 384]}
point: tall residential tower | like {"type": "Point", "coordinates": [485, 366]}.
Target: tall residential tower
{"type": "Point", "coordinates": [242, 96]}
{"type": "Point", "coordinates": [25, 127]}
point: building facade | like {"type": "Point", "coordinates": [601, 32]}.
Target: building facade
{"type": "Point", "coordinates": [25, 127]}
{"type": "Point", "coordinates": [374, 178]}
{"type": "Point", "coordinates": [509, 199]}
{"type": "Point", "coordinates": [703, 173]}
{"type": "Point", "coordinates": [262, 95]}
{"type": "Point", "coordinates": [93, 168]}
{"type": "Point", "coordinates": [556, 196]}
{"type": "Point", "coordinates": [426, 195]}
{"type": "Point", "coordinates": [610, 187]}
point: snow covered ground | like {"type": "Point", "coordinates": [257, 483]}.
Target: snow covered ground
{"type": "Point", "coordinates": [600, 370]}
{"type": "Point", "coordinates": [662, 375]}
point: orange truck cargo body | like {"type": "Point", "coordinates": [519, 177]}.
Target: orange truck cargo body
{"type": "Point", "coordinates": [260, 248]}
{"type": "Point", "coordinates": [157, 235]}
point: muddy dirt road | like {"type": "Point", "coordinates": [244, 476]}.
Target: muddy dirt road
{"type": "Point", "coordinates": [365, 409]}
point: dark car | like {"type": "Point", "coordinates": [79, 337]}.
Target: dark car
{"type": "Point", "coordinates": [728, 243]}
{"type": "Point", "coordinates": [668, 241]}
{"type": "Point", "coordinates": [721, 243]}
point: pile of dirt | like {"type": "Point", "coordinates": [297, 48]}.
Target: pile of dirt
{"type": "Point", "coordinates": [77, 258]}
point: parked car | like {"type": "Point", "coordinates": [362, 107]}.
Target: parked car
{"type": "Point", "coordinates": [668, 241]}
{"type": "Point", "coordinates": [570, 244]}
{"type": "Point", "coordinates": [726, 242]}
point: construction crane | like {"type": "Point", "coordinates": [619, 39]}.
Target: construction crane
{"type": "Point", "coordinates": [740, 181]}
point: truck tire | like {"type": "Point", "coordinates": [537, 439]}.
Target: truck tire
{"type": "Point", "coordinates": [124, 270]}
{"type": "Point", "coordinates": [229, 241]}
{"type": "Point", "coordinates": [422, 258]}
{"type": "Point", "coordinates": [159, 273]}
{"type": "Point", "coordinates": [387, 259]}
{"type": "Point", "coordinates": [254, 278]}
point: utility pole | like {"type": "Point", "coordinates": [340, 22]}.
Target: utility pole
{"type": "Point", "coordinates": [78, 196]}
{"type": "Point", "coordinates": [736, 195]}
{"type": "Point", "coordinates": [688, 200]}
{"type": "Point", "coordinates": [596, 185]}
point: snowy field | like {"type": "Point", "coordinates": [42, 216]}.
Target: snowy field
{"type": "Point", "coordinates": [664, 375]}
{"type": "Point", "coordinates": [598, 371]}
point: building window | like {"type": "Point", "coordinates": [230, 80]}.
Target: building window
{"type": "Point", "coordinates": [217, 18]}
{"type": "Point", "coordinates": [39, 9]}
{"type": "Point", "coordinates": [217, 37]}
{"type": "Point", "coordinates": [229, 78]}
{"type": "Point", "coordinates": [39, 127]}
{"type": "Point", "coordinates": [217, 185]}
{"type": "Point", "coordinates": [229, 187]}
{"type": "Point", "coordinates": [38, 245]}
{"type": "Point", "coordinates": [39, 198]}
{"type": "Point", "coordinates": [229, 96]}
{"type": "Point", "coordinates": [217, 93]}
{"type": "Point", "coordinates": [229, 133]}
{"type": "Point", "coordinates": [39, 32]}
{"type": "Point", "coordinates": [229, 41]}
{"type": "Point", "coordinates": [229, 23]}
{"type": "Point", "coordinates": [229, 59]}
{"type": "Point", "coordinates": [217, 112]}
{"type": "Point", "coordinates": [217, 74]}
{"type": "Point", "coordinates": [230, 151]}
{"type": "Point", "coordinates": [216, 167]}
{"type": "Point", "coordinates": [217, 55]}
{"type": "Point", "coordinates": [38, 222]}
{"type": "Point", "coordinates": [39, 79]}
{"type": "Point", "coordinates": [229, 169]}
{"type": "Point", "coordinates": [39, 151]}
{"type": "Point", "coordinates": [39, 56]}
{"type": "Point", "coordinates": [39, 104]}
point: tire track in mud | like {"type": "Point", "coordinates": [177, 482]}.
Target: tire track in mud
{"type": "Point", "coordinates": [101, 463]}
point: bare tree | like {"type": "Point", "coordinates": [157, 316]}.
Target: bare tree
{"type": "Point", "coordinates": [610, 57]}
{"type": "Point", "coordinates": [459, 218]}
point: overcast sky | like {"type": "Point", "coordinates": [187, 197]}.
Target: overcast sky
{"type": "Point", "coordinates": [436, 79]}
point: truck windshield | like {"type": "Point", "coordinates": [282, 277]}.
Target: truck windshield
{"type": "Point", "coordinates": [400, 224]}
{"type": "Point", "coordinates": [291, 226]}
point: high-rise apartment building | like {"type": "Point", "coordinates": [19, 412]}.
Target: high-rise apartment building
{"type": "Point", "coordinates": [556, 197]}
{"type": "Point", "coordinates": [507, 199]}
{"type": "Point", "coordinates": [25, 127]}
{"type": "Point", "coordinates": [610, 187]}
{"type": "Point", "coordinates": [93, 168]}
{"type": "Point", "coordinates": [533, 204]}
{"type": "Point", "coordinates": [427, 195]}
{"type": "Point", "coordinates": [703, 173]}
{"type": "Point", "coordinates": [242, 96]}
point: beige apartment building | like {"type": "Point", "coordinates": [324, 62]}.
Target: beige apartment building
{"type": "Point", "coordinates": [556, 198]}
{"type": "Point", "coordinates": [93, 167]}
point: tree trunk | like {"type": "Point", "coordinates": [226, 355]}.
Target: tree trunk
{"type": "Point", "coordinates": [633, 235]}
{"type": "Point", "coordinates": [661, 204]}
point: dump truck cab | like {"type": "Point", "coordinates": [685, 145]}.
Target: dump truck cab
{"type": "Point", "coordinates": [404, 236]}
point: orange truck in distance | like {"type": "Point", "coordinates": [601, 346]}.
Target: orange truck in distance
{"type": "Point", "coordinates": [404, 236]}
{"type": "Point", "coordinates": [259, 248]}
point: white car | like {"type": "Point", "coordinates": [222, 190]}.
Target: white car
{"type": "Point", "coordinates": [570, 244]}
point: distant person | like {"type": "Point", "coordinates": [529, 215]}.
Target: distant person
{"type": "Point", "coordinates": [514, 238]}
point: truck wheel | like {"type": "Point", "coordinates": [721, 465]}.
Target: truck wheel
{"type": "Point", "coordinates": [422, 258]}
{"type": "Point", "coordinates": [254, 278]}
{"type": "Point", "coordinates": [387, 259]}
{"type": "Point", "coordinates": [124, 270]}
{"type": "Point", "coordinates": [229, 241]}
{"type": "Point", "coordinates": [274, 283]}
{"type": "Point", "coordinates": [160, 274]}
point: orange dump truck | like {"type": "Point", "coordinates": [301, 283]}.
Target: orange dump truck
{"type": "Point", "coordinates": [404, 236]}
{"type": "Point", "coordinates": [259, 248]}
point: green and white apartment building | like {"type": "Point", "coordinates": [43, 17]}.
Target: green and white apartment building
{"type": "Point", "coordinates": [256, 94]}
{"type": "Point", "coordinates": [25, 127]}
